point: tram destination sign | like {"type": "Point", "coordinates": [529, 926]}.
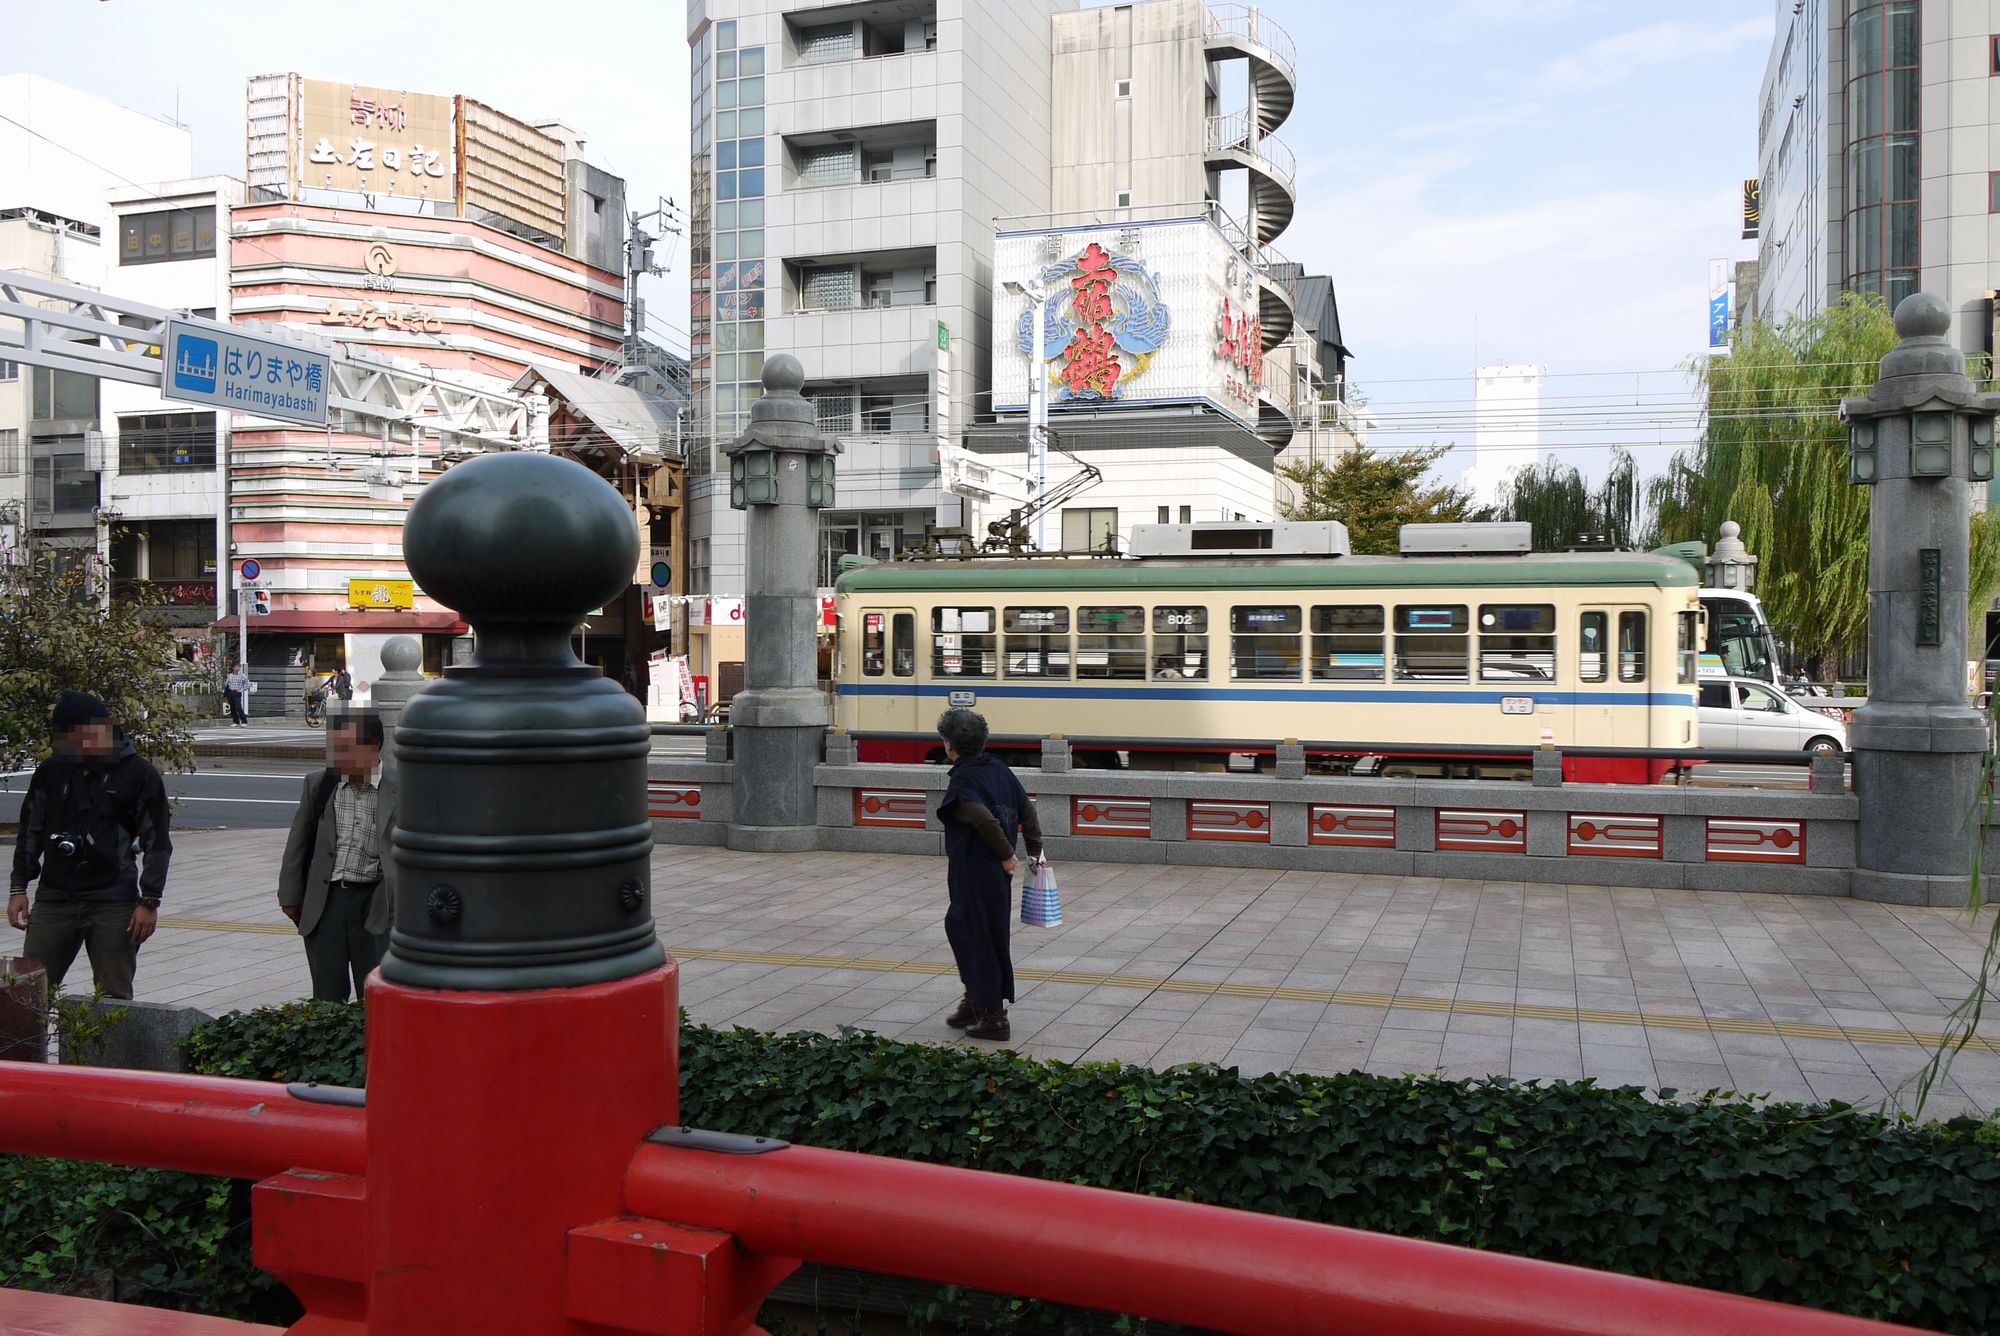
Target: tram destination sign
{"type": "Point", "coordinates": [217, 367]}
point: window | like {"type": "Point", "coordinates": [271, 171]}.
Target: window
{"type": "Point", "coordinates": [1163, 514]}
{"type": "Point", "coordinates": [1431, 643]}
{"type": "Point", "coordinates": [1591, 633]}
{"type": "Point", "coordinates": [10, 453]}
{"type": "Point", "coordinates": [903, 644]}
{"type": "Point", "coordinates": [1187, 514]}
{"type": "Point", "coordinates": [179, 549]}
{"type": "Point", "coordinates": [1993, 55]}
{"type": "Point", "coordinates": [166, 234]}
{"type": "Point", "coordinates": [1123, 88]}
{"type": "Point", "coordinates": [1180, 644]}
{"type": "Point", "coordinates": [1347, 644]}
{"type": "Point", "coordinates": [828, 289]}
{"type": "Point", "coordinates": [1714, 695]}
{"type": "Point", "coordinates": [1993, 192]}
{"type": "Point", "coordinates": [962, 642]}
{"type": "Point", "coordinates": [1689, 646]}
{"type": "Point", "coordinates": [874, 644]}
{"type": "Point", "coordinates": [1111, 644]}
{"type": "Point", "coordinates": [1631, 647]}
{"type": "Point", "coordinates": [64, 396]}
{"type": "Point", "coordinates": [1517, 642]}
{"type": "Point", "coordinates": [827, 44]}
{"type": "Point", "coordinates": [1264, 644]}
{"type": "Point", "coordinates": [163, 442]}
{"type": "Point", "coordinates": [1037, 642]}
{"type": "Point", "coordinates": [1089, 530]}
{"type": "Point", "coordinates": [1761, 699]}
{"type": "Point", "coordinates": [1123, 200]}
{"type": "Point", "coordinates": [9, 370]}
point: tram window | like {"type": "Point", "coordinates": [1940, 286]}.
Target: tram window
{"type": "Point", "coordinates": [1180, 644]}
{"type": "Point", "coordinates": [903, 644]}
{"type": "Point", "coordinates": [1517, 642]}
{"type": "Point", "coordinates": [1690, 643]}
{"type": "Point", "coordinates": [1631, 647]}
{"type": "Point", "coordinates": [1111, 643]}
{"type": "Point", "coordinates": [1264, 644]}
{"type": "Point", "coordinates": [1037, 642]}
{"type": "Point", "coordinates": [874, 656]}
{"type": "Point", "coordinates": [1432, 644]}
{"type": "Point", "coordinates": [1347, 644]}
{"type": "Point", "coordinates": [963, 643]}
{"type": "Point", "coordinates": [1595, 627]}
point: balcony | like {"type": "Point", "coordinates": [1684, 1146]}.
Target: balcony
{"type": "Point", "coordinates": [870, 155]}
{"type": "Point", "coordinates": [870, 280]}
{"type": "Point", "coordinates": [836, 34]}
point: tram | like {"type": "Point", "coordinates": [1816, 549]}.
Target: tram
{"type": "Point", "coordinates": [1212, 642]}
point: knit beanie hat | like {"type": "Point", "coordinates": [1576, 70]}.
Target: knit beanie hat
{"type": "Point", "coordinates": [77, 708]}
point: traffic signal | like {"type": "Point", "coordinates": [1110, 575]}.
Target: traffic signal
{"type": "Point", "coordinates": [260, 603]}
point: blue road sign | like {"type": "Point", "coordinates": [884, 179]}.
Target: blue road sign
{"type": "Point", "coordinates": [222, 369]}
{"type": "Point", "coordinates": [251, 569]}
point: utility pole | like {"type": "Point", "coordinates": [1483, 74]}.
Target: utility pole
{"type": "Point", "coordinates": [638, 262]}
{"type": "Point", "coordinates": [1037, 294]}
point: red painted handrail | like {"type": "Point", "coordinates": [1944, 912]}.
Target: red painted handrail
{"type": "Point", "coordinates": [1176, 1261]}
{"type": "Point", "coordinates": [195, 1124]}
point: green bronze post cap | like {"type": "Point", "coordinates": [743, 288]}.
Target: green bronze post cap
{"type": "Point", "coordinates": [521, 537]}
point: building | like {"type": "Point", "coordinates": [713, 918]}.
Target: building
{"type": "Point", "coordinates": [482, 249]}
{"type": "Point", "coordinates": [850, 161]}
{"type": "Point", "coordinates": [1877, 157]}
{"type": "Point", "coordinates": [61, 154]}
{"type": "Point", "coordinates": [1506, 428]}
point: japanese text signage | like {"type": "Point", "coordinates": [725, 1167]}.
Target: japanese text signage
{"type": "Point", "coordinates": [377, 140]}
{"type": "Point", "coordinates": [381, 593]}
{"type": "Point", "coordinates": [1103, 331]}
{"type": "Point", "coordinates": [207, 364]}
{"type": "Point", "coordinates": [1240, 346]}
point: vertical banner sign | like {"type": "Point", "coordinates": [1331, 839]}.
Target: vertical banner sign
{"type": "Point", "coordinates": [1752, 215]}
{"type": "Point", "coordinates": [1718, 303]}
{"type": "Point", "coordinates": [1930, 596]}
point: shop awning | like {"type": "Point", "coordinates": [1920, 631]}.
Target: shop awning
{"type": "Point", "coordinates": [633, 420]}
{"type": "Point", "coordinates": [332, 621]}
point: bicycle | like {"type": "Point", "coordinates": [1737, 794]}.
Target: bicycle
{"type": "Point", "coordinates": [316, 705]}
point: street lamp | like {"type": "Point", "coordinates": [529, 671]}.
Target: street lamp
{"type": "Point", "coordinates": [1038, 397]}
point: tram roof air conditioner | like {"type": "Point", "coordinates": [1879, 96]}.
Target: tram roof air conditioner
{"type": "Point", "coordinates": [1467, 540]}
{"type": "Point", "coordinates": [1239, 538]}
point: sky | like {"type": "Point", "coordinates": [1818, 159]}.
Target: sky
{"type": "Point", "coordinates": [1486, 181]}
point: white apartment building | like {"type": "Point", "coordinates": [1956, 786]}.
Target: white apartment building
{"type": "Point", "coordinates": [61, 153]}
{"type": "Point", "coordinates": [1879, 159]}
{"type": "Point", "coordinates": [1506, 428]}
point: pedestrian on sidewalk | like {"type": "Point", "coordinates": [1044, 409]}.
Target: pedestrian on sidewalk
{"type": "Point", "coordinates": [332, 881]}
{"type": "Point", "coordinates": [92, 812]}
{"type": "Point", "coordinates": [343, 686]}
{"type": "Point", "coordinates": [983, 810]}
{"type": "Point", "coordinates": [236, 688]}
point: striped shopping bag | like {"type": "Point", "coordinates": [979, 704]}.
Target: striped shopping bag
{"type": "Point", "coordinates": [1041, 898]}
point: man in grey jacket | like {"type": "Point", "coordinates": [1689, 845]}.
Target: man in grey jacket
{"type": "Point", "coordinates": [334, 880]}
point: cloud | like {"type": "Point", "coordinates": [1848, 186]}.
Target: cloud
{"type": "Point", "coordinates": [1609, 61]}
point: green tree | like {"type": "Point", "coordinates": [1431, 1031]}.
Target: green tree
{"type": "Point", "coordinates": [58, 632]}
{"type": "Point", "coordinates": [1773, 457]}
{"type": "Point", "coordinates": [1374, 495]}
{"type": "Point", "coordinates": [1559, 504]}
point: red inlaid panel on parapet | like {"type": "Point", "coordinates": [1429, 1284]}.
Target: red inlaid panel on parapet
{"type": "Point", "coordinates": [1128, 818]}
{"type": "Point", "coordinates": [670, 801]}
{"type": "Point", "coordinates": [1461, 830]}
{"type": "Point", "coordinates": [1732, 841]}
{"type": "Point", "coordinates": [1245, 823]}
{"type": "Point", "coordinates": [1352, 827]}
{"type": "Point", "coordinates": [898, 809]}
{"type": "Point", "coordinates": [1602, 835]}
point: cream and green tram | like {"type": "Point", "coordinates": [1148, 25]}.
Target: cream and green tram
{"type": "Point", "coordinates": [1171, 662]}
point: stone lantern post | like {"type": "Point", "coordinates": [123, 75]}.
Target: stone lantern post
{"type": "Point", "coordinates": [1920, 438]}
{"type": "Point", "coordinates": [780, 471]}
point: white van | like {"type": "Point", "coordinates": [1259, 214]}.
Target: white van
{"type": "Point", "coordinates": [1743, 714]}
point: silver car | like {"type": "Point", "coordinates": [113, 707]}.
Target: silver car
{"type": "Point", "coordinates": [1742, 714]}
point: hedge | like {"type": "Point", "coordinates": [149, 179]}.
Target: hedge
{"type": "Point", "coordinates": [1825, 1205]}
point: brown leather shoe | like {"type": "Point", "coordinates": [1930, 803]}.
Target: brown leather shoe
{"type": "Point", "coordinates": [990, 1025]}
{"type": "Point", "coordinates": [965, 1014]}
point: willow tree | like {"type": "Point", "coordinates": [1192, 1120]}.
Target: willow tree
{"type": "Point", "coordinates": [1773, 457]}
{"type": "Point", "coordinates": [1561, 506]}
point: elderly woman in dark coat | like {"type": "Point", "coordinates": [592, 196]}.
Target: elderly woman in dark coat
{"type": "Point", "coordinates": [983, 809]}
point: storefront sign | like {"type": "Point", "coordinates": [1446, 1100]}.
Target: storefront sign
{"type": "Point", "coordinates": [1240, 348]}
{"type": "Point", "coordinates": [381, 594]}
{"type": "Point", "coordinates": [715, 612]}
{"type": "Point", "coordinates": [377, 140]}
{"type": "Point", "coordinates": [1102, 324]}
{"type": "Point", "coordinates": [367, 315]}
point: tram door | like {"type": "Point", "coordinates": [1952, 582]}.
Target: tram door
{"type": "Point", "coordinates": [1613, 670]}
{"type": "Point", "coordinates": [888, 675]}
{"type": "Point", "coordinates": [1594, 722]}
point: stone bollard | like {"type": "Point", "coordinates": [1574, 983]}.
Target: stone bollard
{"type": "Point", "coordinates": [781, 473]}
{"type": "Point", "coordinates": [1921, 439]}
{"type": "Point", "coordinates": [1291, 759]}
{"type": "Point", "coordinates": [840, 748]}
{"type": "Point", "coordinates": [400, 680]}
{"type": "Point", "coordinates": [1548, 771]}
{"type": "Point", "coordinates": [1055, 756]}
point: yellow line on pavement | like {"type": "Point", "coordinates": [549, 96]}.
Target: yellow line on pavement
{"type": "Point", "coordinates": [1652, 1020]}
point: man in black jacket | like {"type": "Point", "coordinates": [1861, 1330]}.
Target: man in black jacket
{"type": "Point", "coordinates": [91, 811]}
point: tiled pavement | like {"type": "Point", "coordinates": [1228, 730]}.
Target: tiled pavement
{"type": "Point", "coordinates": [1793, 997]}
